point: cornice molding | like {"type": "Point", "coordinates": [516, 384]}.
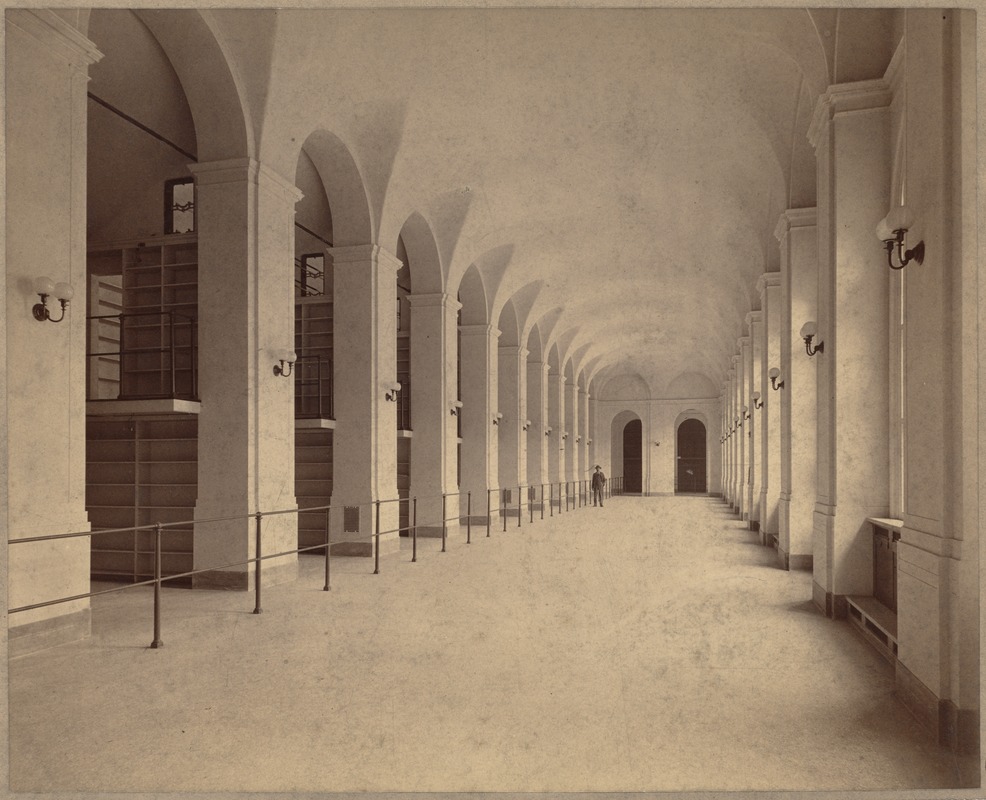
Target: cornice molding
{"type": "Point", "coordinates": [795, 218]}
{"type": "Point", "coordinates": [768, 279]}
{"type": "Point", "coordinates": [843, 98]}
{"type": "Point", "coordinates": [59, 37]}
{"type": "Point", "coordinates": [364, 254]}
{"type": "Point", "coordinates": [480, 330]}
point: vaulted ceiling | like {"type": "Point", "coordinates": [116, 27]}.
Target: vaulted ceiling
{"type": "Point", "coordinates": [616, 175]}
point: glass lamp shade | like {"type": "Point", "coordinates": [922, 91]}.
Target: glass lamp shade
{"type": "Point", "coordinates": [44, 285]}
{"type": "Point", "coordinates": [774, 373]}
{"type": "Point", "coordinates": [755, 396]}
{"type": "Point", "coordinates": [63, 291]}
{"type": "Point", "coordinates": [396, 387]}
{"type": "Point", "coordinates": [744, 409]}
{"type": "Point", "coordinates": [883, 232]}
{"type": "Point", "coordinates": [809, 329]}
{"type": "Point", "coordinates": [899, 219]}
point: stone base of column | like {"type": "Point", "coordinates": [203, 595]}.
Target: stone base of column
{"type": "Point", "coordinates": [833, 606]}
{"type": "Point", "coordinates": [44, 633]}
{"type": "Point", "coordinates": [389, 543]}
{"type": "Point", "coordinates": [274, 571]}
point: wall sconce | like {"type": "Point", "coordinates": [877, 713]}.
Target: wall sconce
{"type": "Point", "coordinates": [497, 417]}
{"type": "Point", "coordinates": [757, 402]}
{"type": "Point", "coordinates": [588, 441]}
{"type": "Point", "coordinates": [564, 435]}
{"type": "Point", "coordinates": [527, 425]}
{"type": "Point", "coordinates": [62, 292]}
{"type": "Point", "coordinates": [547, 431]}
{"type": "Point", "coordinates": [739, 421]}
{"type": "Point", "coordinates": [454, 407]}
{"type": "Point", "coordinates": [774, 374]}
{"type": "Point", "coordinates": [392, 391]}
{"type": "Point", "coordinates": [808, 332]}
{"type": "Point", "coordinates": [285, 357]}
{"type": "Point", "coordinates": [657, 444]}
{"type": "Point", "coordinates": [891, 230]}
{"type": "Point", "coordinates": [746, 412]}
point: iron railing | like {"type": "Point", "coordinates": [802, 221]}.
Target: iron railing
{"type": "Point", "coordinates": [575, 494]}
{"type": "Point", "coordinates": [313, 388]}
{"type": "Point", "coordinates": [138, 355]}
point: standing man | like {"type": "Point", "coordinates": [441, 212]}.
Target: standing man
{"type": "Point", "coordinates": [598, 482]}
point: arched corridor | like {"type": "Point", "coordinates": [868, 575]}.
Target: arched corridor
{"type": "Point", "coordinates": [582, 653]}
{"type": "Point", "coordinates": [293, 290]}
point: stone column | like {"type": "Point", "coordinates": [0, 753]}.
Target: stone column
{"type": "Point", "coordinates": [43, 383]}
{"type": "Point", "coordinates": [433, 390]}
{"type": "Point", "coordinates": [798, 303]}
{"type": "Point", "coordinates": [556, 422]}
{"type": "Point", "coordinates": [364, 452]}
{"type": "Point", "coordinates": [730, 413]}
{"type": "Point", "coordinates": [537, 413]}
{"type": "Point", "coordinates": [593, 435]}
{"type": "Point", "coordinates": [850, 133]}
{"type": "Point", "coordinates": [512, 403]}
{"type": "Point", "coordinates": [582, 437]}
{"type": "Point", "coordinates": [743, 445]}
{"type": "Point", "coordinates": [479, 401]}
{"type": "Point", "coordinates": [770, 419]}
{"type": "Point", "coordinates": [571, 424]}
{"type": "Point", "coordinates": [246, 422]}
{"type": "Point", "coordinates": [755, 324]}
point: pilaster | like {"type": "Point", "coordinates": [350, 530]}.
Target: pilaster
{"type": "Point", "coordinates": [479, 399]}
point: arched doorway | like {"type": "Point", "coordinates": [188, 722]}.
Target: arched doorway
{"type": "Point", "coordinates": [633, 473]}
{"type": "Point", "coordinates": [690, 475]}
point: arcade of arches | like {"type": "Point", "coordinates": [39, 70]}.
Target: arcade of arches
{"type": "Point", "coordinates": [455, 223]}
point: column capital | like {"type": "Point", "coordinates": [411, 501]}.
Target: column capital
{"type": "Point", "coordinates": [514, 350]}
{"type": "Point", "coordinates": [842, 98]}
{"type": "Point", "coordinates": [480, 330]}
{"type": "Point", "coordinates": [753, 318]}
{"type": "Point", "coordinates": [60, 38]}
{"type": "Point", "coordinates": [245, 170]}
{"type": "Point", "coordinates": [768, 279]}
{"type": "Point", "coordinates": [364, 253]}
{"type": "Point", "coordinates": [795, 218]}
{"type": "Point", "coordinates": [442, 299]}
{"type": "Point", "coordinates": [742, 341]}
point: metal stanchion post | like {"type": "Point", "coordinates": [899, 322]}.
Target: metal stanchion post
{"type": "Point", "coordinates": [376, 542]}
{"type": "Point", "coordinates": [328, 547]}
{"type": "Point", "coordinates": [156, 643]}
{"type": "Point", "coordinates": [468, 517]}
{"type": "Point", "coordinates": [489, 511]}
{"type": "Point", "coordinates": [530, 502]}
{"type": "Point", "coordinates": [520, 506]}
{"type": "Point", "coordinates": [503, 508]}
{"type": "Point", "coordinates": [542, 501]}
{"type": "Point", "coordinates": [257, 554]}
{"type": "Point", "coordinates": [414, 531]}
{"type": "Point", "coordinates": [444, 515]}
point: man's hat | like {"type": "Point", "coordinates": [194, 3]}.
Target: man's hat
{"type": "Point", "coordinates": [598, 467]}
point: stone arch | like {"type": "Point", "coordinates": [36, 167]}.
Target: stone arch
{"type": "Point", "coordinates": [423, 257]}
{"type": "Point", "coordinates": [509, 325]}
{"type": "Point", "coordinates": [215, 96]}
{"type": "Point", "coordinates": [474, 298]}
{"type": "Point", "coordinates": [344, 188]}
{"type": "Point", "coordinates": [535, 345]}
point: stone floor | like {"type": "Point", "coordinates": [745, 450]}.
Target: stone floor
{"type": "Point", "coordinates": [647, 646]}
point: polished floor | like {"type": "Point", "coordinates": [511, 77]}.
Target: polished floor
{"type": "Point", "coordinates": [649, 645]}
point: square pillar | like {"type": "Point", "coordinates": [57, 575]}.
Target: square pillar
{"type": "Point", "coordinates": [537, 413]}
{"type": "Point", "coordinates": [582, 468]}
{"type": "Point", "coordinates": [479, 401]}
{"type": "Point", "coordinates": [512, 391]}
{"type": "Point", "coordinates": [742, 433]}
{"type": "Point", "coordinates": [434, 444]}
{"type": "Point", "coordinates": [571, 422]}
{"type": "Point", "coordinates": [798, 237]}
{"type": "Point", "coordinates": [755, 325]}
{"type": "Point", "coordinates": [43, 429]}
{"type": "Point", "coordinates": [556, 424]}
{"type": "Point", "coordinates": [850, 133]}
{"type": "Point", "coordinates": [364, 446]}
{"type": "Point", "coordinates": [246, 422]}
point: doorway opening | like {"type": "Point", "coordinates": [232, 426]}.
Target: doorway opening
{"type": "Point", "coordinates": [690, 475]}
{"type": "Point", "coordinates": [633, 473]}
